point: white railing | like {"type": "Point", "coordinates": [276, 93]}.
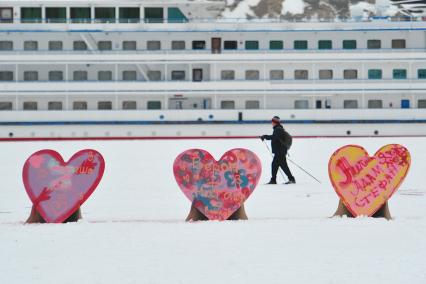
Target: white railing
{"type": "Point", "coordinates": [209, 20]}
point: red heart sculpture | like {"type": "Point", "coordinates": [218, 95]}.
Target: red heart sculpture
{"type": "Point", "coordinates": [218, 188]}
{"type": "Point", "coordinates": [365, 183]}
{"type": "Point", "coordinates": [57, 188]}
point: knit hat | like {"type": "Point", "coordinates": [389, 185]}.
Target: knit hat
{"type": "Point", "coordinates": [276, 119]}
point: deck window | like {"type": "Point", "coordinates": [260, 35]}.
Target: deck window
{"type": "Point", "coordinates": [129, 105]}
{"type": "Point", "coordinates": [81, 15]}
{"type": "Point", "coordinates": [178, 75]}
{"type": "Point", "coordinates": [252, 74]}
{"type": "Point", "coordinates": [30, 106]}
{"type": "Point", "coordinates": [55, 45]}
{"type": "Point", "coordinates": [375, 74]}
{"type": "Point", "coordinates": [374, 44]}
{"type": "Point", "coordinates": [105, 15]}
{"type": "Point", "coordinates": [252, 105]}
{"type": "Point", "coordinates": [375, 104]}
{"type": "Point", "coordinates": [230, 44]}
{"type": "Point", "coordinates": [153, 105]}
{"type": "Point", "coordinates": [129, 45]}
{"type": "Point", "coordinates": [129, 75]}
{"type": "Point", "coordinates": [198, 44]}
{"type": "Point", "coordinates": [350, 104]}
{"type": "Point", "coordinates": [154, 75]}
{"type": "Point", "coordinates": [301, 104]}
{"type": "Point", "coordinates": [301, 74]}
{"type": "Point", "coordinates": [175, 15]}
{"type": "Point", "coordinates": [104, 75]}
{"type": "Point", "coordinates": [79, 45]}
{"type": "Point", "coordinates": [105, 105]}
{"type": "Point", "coordinates": [252, 45]}
{"type": "Point", "coordinates": [31, 15]}
{"type": "Point", "coordinates": [154, 15]}
{"type": "Point", "coordinates": [421, 103]}
{"type": "Point", "coordinates": [79, 105]}
{"type": "Point", "coordinates": [6, 45]}
{"type": "Point", "coordinates": [153, 45]}
{"type": "Point", "coordinates": [276, 75]}
{"type": "Point", "coordinates": [30, 76]}
{"type": "Point", "coordinates": [6, 106]}
{"type": "Point", "coordinates": [80, 75]}
{"type": "Point", "coordinates": [349, 44]}
{"type": "Point", "coordinates": [325, 44]}
{"type": "Point", "coordinates": [398, 43]}
{"type": "Point", "coordinates": [30, 45]}
{"type": "Point", "coordinates": [129, 14]}
{"type": "Point", "coordinates": [227, 104]}
{"type": "Point", "coordinates": [178, 45]}
{"type": "Point", "coordinates": [325, 74]}
{"type": "Point", "coordinates": [276, 45]}
{"type": "Point", "coordinates": [6, 15]}
{"type": "Point", "coordinates": [6, 76]}
{"type": "Point", "coordinates": [56, 76]}
{"type": "Point", "coordinates": [399, 73]}
{"type": "Point", "coordinates": [227, 75]}
{"type": "Point", "coordinates": [105, 45]}
{"type": "Point", "coordinates": [54, 105]}
{"type": "Point", "coordinates": [300, 44]}
{"type": "Point", "coordinates": [421, 73]}
{"type": "Point", "coordinates": [350, 74]}
{"type": "Point", "coordinates": [56, 15]}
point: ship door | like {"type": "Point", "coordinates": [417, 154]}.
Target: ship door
{"type": "Point", "coordinates": [318, 104]}
{"type": "Point", "coordinates": [197, 75]}
{"type": "Point", "coordinates": [216, 45]}
{"type": "Point", "coordinates": [207, 103]}
{"type": "Point", "coordinates": [405, 103]}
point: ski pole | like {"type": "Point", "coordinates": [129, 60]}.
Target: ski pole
{"type": "Point", "coordinates": [270, 152]}
{"type": "Point", "coordinates": [306, 172]}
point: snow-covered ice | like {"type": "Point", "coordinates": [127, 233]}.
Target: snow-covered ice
{"type": "Point", "coordinates": [133, 229]}
{"type": "Point", "coordinates": [293, 7]}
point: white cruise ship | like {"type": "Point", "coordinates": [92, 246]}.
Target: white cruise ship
{"type": "Point", "coordinates": [135, 68]}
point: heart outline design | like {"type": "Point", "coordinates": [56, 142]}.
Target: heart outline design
{"type": "Point", "coordinates": [387, 169]}
{"type": "Point", "coordinates": [62, 168]}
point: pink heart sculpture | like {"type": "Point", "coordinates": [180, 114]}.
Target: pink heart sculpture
{"type": "Point", "coordinates": [365, 183]}
{"type": "Point", "coordinates": [57, 188]}
{"type": "Point", "coordinates": [217, 188]}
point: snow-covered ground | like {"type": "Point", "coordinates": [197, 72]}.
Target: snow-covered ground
{"type": "Point", "coordinates": [133, 229]}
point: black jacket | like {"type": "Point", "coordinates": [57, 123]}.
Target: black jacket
{"type": "Point", "coordinates": [280, 140]}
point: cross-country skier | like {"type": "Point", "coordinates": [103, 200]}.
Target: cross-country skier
{"type": "Point", "coordinates": [281, 142]}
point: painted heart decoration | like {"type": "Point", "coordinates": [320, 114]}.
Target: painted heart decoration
{"type": "Point", "coordinates": [217, 188]}
{"type": "Point", "coordinates": [57, 188]}
{"type": "Point", "coordinates": [365, 183]}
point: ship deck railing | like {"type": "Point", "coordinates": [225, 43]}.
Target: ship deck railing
{"type": "Point", "coordinates": [314, 81]}
{"type": "Point", "coordinates": [212, 51]}
{"type": "Point", "coordinates": [208, 20]}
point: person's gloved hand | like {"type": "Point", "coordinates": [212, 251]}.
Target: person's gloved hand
{"type": "Point", "coordinates": [262, 137]}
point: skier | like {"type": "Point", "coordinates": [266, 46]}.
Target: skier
{"type": "Point", "coordinates": [281, 142]}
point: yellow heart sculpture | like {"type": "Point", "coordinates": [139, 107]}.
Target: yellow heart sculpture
{"type": "Point", "coordinates": [365, 183]}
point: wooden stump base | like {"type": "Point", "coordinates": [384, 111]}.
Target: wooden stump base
{"type": "Point", "coordinates": [195, 215]}
{"type": "Point", "coordinates": [383, 212]}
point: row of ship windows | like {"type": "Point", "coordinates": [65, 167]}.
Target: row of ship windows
{"type": "Point", "coordinates": [32, 45]}
{"type": "Point", "coordinates": [101, 15]}
{"type": "Point", "coordinates": [226, 104]}
{"type": "Point", "coordinates": [180, 75]}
